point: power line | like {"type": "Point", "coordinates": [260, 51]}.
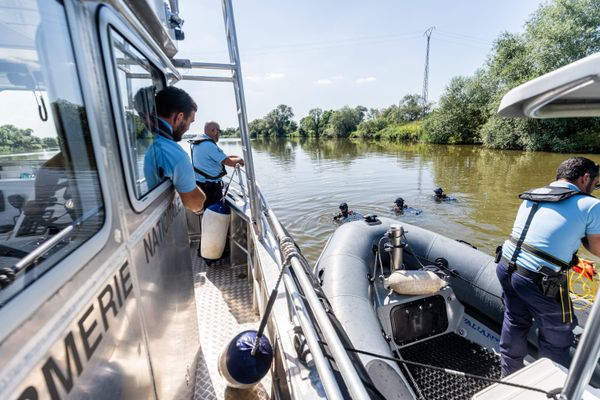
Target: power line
{"type": "Point", "coordinates": [324, 44]}
{"type": "Point", "coordinates": [426, 77]}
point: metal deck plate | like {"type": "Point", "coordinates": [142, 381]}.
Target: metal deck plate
{"type": "Point", "coordinates": [224, 305]}
{"type": "Point", "coordinates": [454, 352]}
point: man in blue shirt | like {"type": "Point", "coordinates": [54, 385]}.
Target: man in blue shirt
{"type": "Point", "coordinates": [209, 162]}
{"type": "Point", "coordinates": [544, 238]}
{"type": "Point", "coordinates": [165, 158]}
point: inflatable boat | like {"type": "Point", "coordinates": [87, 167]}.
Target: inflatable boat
{"type": "Point", "coordinates": [446, 312]}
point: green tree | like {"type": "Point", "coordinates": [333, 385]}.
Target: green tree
{"type": "Point", "coordinates": [49, 142]}
{"type": "Point", "coordinates": [345, 120]}
{"type": "Point", "coordinates": [258, 127]}
{"type": "Point", "coordinates": [413, 107]}
{"type": "Point", "coordinates": [315, 122]}
{"type": "Point", "coordinates": [230, 132]}
{"type": "Point", "coordinates": [563, 31]}
{"type": "Point", "coordinates": [17, 140]}
{"type": "Point", "coordinates": [559, 32]}
{"type": "Point", "coordinates": [510, 63]}
{"type": "Point", "coordinates": [279, 122]}
{"type": "Point", "coordinates": [463, 109]}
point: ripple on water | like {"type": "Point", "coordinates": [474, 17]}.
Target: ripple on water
{"type": "Point", "coordinates": [306, 180]}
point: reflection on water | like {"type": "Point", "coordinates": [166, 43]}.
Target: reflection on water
{"type": "Point", "coordinates": [306, 179]}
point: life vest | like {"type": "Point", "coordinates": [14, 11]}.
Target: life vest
{"type": "Point", "coordinates": [551, 194]}
{"type": "Point", "coordinates": [546, 194]}
{"type": "Point", "coordinates": [196, 169]}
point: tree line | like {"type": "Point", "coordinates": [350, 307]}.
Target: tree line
{"type": "Point", "coordinates": [16, 140]}
{"type": "Point", "coordinates": [558, 33]}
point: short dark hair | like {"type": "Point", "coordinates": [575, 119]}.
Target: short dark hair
{"type": "Point", "coordinates": [573, 168]}
{"type": "Point", "coordinates": [174, 100]}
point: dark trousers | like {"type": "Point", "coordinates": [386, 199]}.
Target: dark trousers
{"type": "Point", "coordinates": [212, 190]}
{"type": "Point", "coordinates": [523, 302]}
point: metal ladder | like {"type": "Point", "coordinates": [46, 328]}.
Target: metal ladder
{"type": "Point", "coordinates": [260, 207]}
{"type": "Point", "coordinates": [236, 78]}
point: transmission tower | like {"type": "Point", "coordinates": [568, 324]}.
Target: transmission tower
{"type": "Point", "coordinates": [427, 34]}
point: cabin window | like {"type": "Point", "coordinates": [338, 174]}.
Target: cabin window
{"type": "Point", "coordinates": [138, 80]}
{"type": "Point", "coordinates": [51, 201]}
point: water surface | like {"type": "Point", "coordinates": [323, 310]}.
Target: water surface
{"type": "Point", "coordinates": [305, 180]}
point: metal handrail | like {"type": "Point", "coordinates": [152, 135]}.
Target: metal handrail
{"type": "Point", "coordinates": [234, 57]}
{"type": "Point", "coordinates": [328, 380]}
{"type": "Point", "coordinates": [584, 362]}
{"type": "Point", "coordinates": [262, 217]}
{"type": "Point", "coordinates": [342, 360]}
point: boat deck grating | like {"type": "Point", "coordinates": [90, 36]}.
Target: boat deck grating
{"type": "Point", "coordinates": [224, 307]}
{"type": "Point", "coordinates": [453, 352]}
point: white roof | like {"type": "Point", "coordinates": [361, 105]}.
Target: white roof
{"type": "Point", "coordinates": [570, 91]}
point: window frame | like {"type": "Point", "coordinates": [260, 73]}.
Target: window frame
{"type": "Point", "coordinates": [21, 306]}
{"type": "Point", "coordinates": [108, 22]}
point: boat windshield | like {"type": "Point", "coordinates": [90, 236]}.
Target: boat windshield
{"type": "Point", "coordinates": [48, 177]}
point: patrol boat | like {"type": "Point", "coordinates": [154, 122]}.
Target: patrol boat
{"type": "Point", "coordinates": [102, 294]}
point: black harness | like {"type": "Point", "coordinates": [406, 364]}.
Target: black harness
{"type": "Point", "coordinates": [546, 194]}
{"type": "Point", "coordinates": [196, 169]}
{"type": "Point", "coordinates": [554, 284]}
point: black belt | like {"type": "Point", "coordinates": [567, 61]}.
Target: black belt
{"type": "Point", "coordinates": [209, 183]}
{"type": "Point", "coordinates": [536, 277]}
{"type": "Point", "coordinates": [544, 256]}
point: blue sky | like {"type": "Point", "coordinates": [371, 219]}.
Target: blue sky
{"type": "Point", "coordinates": [329, 54]}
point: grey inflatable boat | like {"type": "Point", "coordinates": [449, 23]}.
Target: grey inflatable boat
{"type": "Point", "coordinates": [456, 327]}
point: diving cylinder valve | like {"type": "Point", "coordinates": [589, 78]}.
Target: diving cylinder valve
{"type": "Point", "coordinates": [215, 223]}
{"type": "Point", "coordinates": [395, 234]}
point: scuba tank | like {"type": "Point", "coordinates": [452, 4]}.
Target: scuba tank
{"type": "Point", "coordinates": [215, 223]}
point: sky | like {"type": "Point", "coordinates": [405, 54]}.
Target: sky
{"type": "Point", "coordinates": [332, 53]}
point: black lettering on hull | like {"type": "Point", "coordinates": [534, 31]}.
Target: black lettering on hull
{"type": "Point", "coordinates": [156, 237]}
{"type": "Point", "coordinates": [64, 362]}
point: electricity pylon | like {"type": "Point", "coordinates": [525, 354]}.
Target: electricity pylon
{"type": "Point", "coordinates": [426, 77]}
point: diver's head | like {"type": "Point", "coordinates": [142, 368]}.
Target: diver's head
{"type": "Point", "coordinates": [438, 192]}
{"type": "Point", "coordinates": [344, 208]}
{"type": "Point", "coordinates": [399, 202]}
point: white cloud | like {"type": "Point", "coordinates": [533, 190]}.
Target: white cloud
{"type": "Point", "coordinates": [323, 82]}
{"type": "Point", "coordinates": [269, 76]}
{"type": "Point", "coordinates": [273, 76]}
{"type": "Point", "coordinates": [366, 80]}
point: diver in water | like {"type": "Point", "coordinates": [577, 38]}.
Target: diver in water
{"type": "Point", "coordinates": [439, 195]}
{"type": "Point", "coordinates": [346, 214]}
{"type": "Point", "coordinates": [400, 208]}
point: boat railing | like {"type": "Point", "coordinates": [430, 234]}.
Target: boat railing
{"type": "Point", "coordinates": [265, 228]}
{"type": "Point", "coordinates": [302, 295]}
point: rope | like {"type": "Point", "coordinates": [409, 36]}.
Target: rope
{"type": "Point", "coordinates": [583, 283]}
{"type": "Point", "coordinates": [288, 250]}
{"type": "Point", "coordinates": [235, 170]}
{"type": "Point", "coordinates": [549, 394]}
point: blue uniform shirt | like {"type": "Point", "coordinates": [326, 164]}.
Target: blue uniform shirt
{"type": "Point", "coordinates": [207, 157]}
{"type": "Point", "coordinates": [168, 156]}
{"type": "Point", "coordinates": [556, 228]}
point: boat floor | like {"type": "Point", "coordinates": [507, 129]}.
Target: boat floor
{"type": "Point", "coordinates": [454, 352]}
{"type": "Point", "coordinates": [224, 306]}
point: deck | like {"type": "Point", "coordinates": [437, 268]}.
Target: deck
{"type": "Point", "coordinates": [224, 305]}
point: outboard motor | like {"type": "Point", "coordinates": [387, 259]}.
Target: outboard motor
{"type": "Point", "coordinates": [215, 224]}
{"type": "Point", "coordinates": [396, 233]}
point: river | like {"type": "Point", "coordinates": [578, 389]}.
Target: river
{"type": "Point", "coordinates": [306, 179]}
